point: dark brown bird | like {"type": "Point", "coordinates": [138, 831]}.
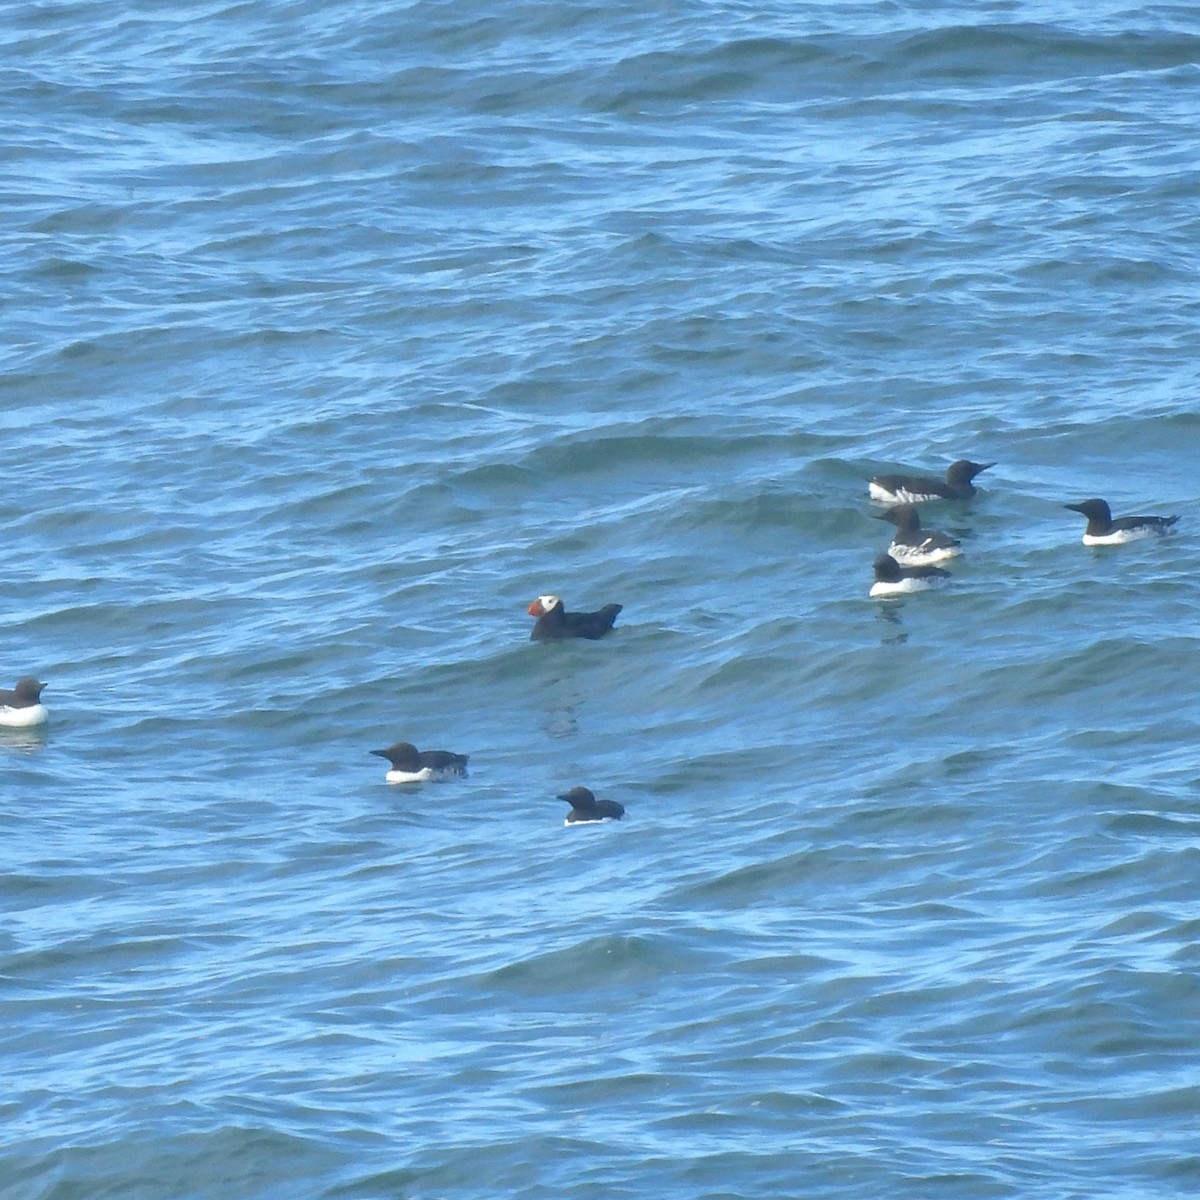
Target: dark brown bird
{"type": "Point", "coordinates": [585, 807]}
{"type": "Point", "coordinates": [891, 579]}
{"type": "Point", "coordinates": [909, 489]}
{"type": "Point", "coordinates": [410, 765]}
{"type": "Point", "coordinates": [22, 706]}
{"type": "Point", "coordinates": [912, 545]}
{"type": "Point", "coordinates": [1103, 530]}
{"type": "Point", "coordinates": [554, 623]}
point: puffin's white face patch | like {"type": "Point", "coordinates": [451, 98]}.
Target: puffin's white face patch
{"type": "Point", "coordinates": [548, 602]}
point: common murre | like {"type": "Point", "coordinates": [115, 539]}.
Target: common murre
{"type": "Point", "coordinates": [910, 489]}
{"type": "Point", "coordinates": [912, 545]}
{"type": "Point", "coordinates": [21, 706]}
{"type": "Point", "coordinates": [585, 807]}
{"type": "Point", "coordinates": [410, 765]}
{"type": "Point", "coordinates": [1103, 530]}
{"type": "Point", "coordinates": [891, 579]}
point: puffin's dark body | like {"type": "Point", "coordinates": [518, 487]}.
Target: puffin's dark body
{"type": "Point", "coordinates": [555, 624]}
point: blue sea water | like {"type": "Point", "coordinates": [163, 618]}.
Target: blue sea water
{"type": "Point", "coordinates": [335, 333]}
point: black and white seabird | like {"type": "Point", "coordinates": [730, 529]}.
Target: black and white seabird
{"type": "Point", "coordinates": [913, 545]}
{"type": "Point", "coordinates": [554, 623]}
{"type": "Point", "coordinates": [910, 489]}
{"type": "Point", "coordinates": [891, 579]}
{"type": "Point", "coordinates": [410, 765]}
{"type": "Point", "coordinates": [585, 807]}
{"type": "Point", "coordinates": [1102, 530]}
{"type": "Point", "coordinates": [21, 706]}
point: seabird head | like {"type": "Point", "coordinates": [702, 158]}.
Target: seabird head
{"type": "Point", "coordinates": [964, 471]}
{"type": "Point", "coordinates": [401, 755]}
{"type": "Point", "coordinates": [1094, 509]}
{"type": "Point", "coordinates": [579, 797]}
{"type": "Point", "coordinates": [544, 604]}
{"type": "Point", "coordinates": [903, 516]}
{"type": "Point", "coordinates": [887, 569]}
{"type": "Point", "coordinates": [29, 689]}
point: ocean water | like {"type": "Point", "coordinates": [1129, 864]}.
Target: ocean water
{"type": "Point", "coordinates": [335, 333]}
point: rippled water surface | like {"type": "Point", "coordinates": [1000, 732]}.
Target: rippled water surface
{"type": "Point", "coordinates": [334, 334]}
